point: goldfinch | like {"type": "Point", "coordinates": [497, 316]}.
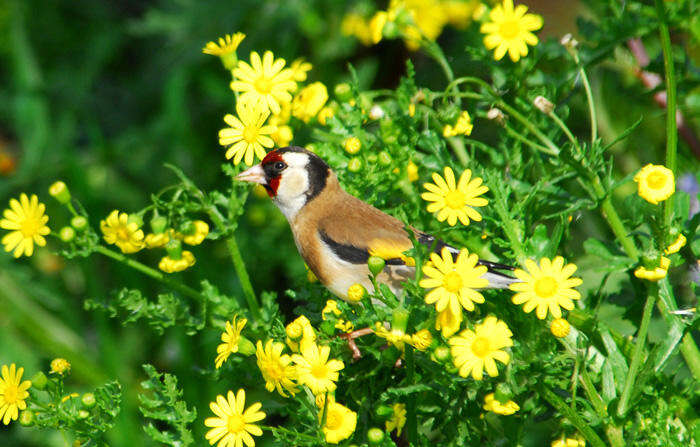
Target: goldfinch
{"type": "Point", "coordinates": [335, 232]}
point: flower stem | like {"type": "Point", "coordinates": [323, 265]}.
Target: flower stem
{"type": "Point", "coordinates": [566, 130]}
{"type": "Point", "coordinates": [436, 53]}
{"type": "Point", "coordinates": [689, 350]}
{"type": "Point", "coordinates": [653, 292]}
{"type": "Point", "coordinates": [610, 215]}
{"type": "Point", "coordinates": [582, 426]}
{"type": "Point", "coordinates": [589, 97]}
{"type": "Point", "coordinates": [552, 148]}
{"type": "Point", "coordinates": [238, 263]}
{"type": "Point", "coordinates": [153, 273]}
{"type": "Point", "coordinates": [411, 421]}
{"type": "Point", "coordinates": [671, 129]}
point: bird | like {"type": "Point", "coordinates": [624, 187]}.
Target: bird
{"type": "Point", "coordinates": [336, 233]}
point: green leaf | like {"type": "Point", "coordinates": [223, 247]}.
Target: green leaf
{"type": "Point", "coordinates": [164, 405]}
{"type": "Point", "coordinates": [612, 262]}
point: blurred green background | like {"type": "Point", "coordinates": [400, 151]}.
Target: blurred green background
{"type": "Point", "coordinates": [101, 93]}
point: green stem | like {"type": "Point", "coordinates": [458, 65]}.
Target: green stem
{"type": "Point", "coordinates": [566, 130]}
{"type": "Point", "coordinates": [434, 50]}
{"type": "Point", "coordinates": [610, 215]}
{"type": "Point", "coordinates": [153, 273]}
{"type": "Point", "coordinates": [582, 426]}
{"type": "Point", "coordinates": [411, 420]}
{"type": "Point", "coordinates": [552, 148]}
{"type": "Point", "coordinates": [653, 292]}
{"type": "Point", "coordinates": [458, 148]}
{"type": "Point", "coordinates": [525, 141]}
{"type": "Point", "coordinates": [238, 263]}
{"type": "Point", "coordinates": [691, 354]}
{"type": "Point", "coordinates": [671, 129]}
{"type": "Point", "coordinates": [589, 98]}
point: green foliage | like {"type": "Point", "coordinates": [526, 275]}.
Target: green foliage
{"type": "Point", "coordinates": [163, 404]}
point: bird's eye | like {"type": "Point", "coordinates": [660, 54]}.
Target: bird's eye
{"type": "Point", "coordinates": [279, 166]}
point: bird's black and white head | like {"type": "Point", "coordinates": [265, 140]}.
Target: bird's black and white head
{"type": "Point", "coordinates": [292, 176]}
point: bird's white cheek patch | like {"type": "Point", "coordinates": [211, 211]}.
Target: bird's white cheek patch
{"type": "Point", "coordinates": [291, 194]}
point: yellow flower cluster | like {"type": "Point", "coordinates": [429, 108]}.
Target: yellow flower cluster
{"type": "Point", "coordinates": [412, 20]}
{"type": "Point", "coordinates": [463, 126]}
{"type": "Point", "coordinates": [268, 96]}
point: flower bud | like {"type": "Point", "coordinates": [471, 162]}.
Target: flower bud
{"type": "Point", "coordinates": [441, 354]}
{"type": "Point", "coordinates": [543, 104]}
{"type": "Point", "coordinates": [343, 91]}
{"type": "Point", "coordinates": [496, 115]}
{"type": "Point", "coordinates": [569, 42]}
{"type": "Point", "coordinates": [39, 380]}
{"type": "Point", "coordinates": [354, 164]}
{"type": "Point", "coordinates": [174, 249]}
{"type": "Point", "coordinates": [83, 414]}
{"type": "Point", "coordinates": [560, 328]}
{"type": "Point", "coordinates": [399, 319]}
{"type": "Point", "coordinates": [384, 411]}
{"type": "Point", "coordinates": [503, 393]}
{"type": "Point", "coordinates": [159, 224]}
{"type": "Point", "coordinates": [384, 158]}
{"type": "Point", "coordinates": [26, 418]}
{"type": "Point", "coordinates": [352, 145]}
{"type": "Point", "coordinates": [135, 218]}
{"type": "Point", "coordinates": [60, 192]}
{"type": "Point", "coordinates": [60, 366]}
{"type": "Point", "coordinates": [88, 400]}
{"type": "Point", "coordinates": [66, 234]}
{"type": "Point", "coordinates": [375, 264]}
{"type": "Point", "coordinates": [376, 112]}
{"type": "Point", "coordinates": [356, 292]}
{"type": "Point", "coordinates": [412, 172]}
{"type": "Point", "coordinates": [79, 223]}
{"type": "Point", "coordinates": [375, 436]}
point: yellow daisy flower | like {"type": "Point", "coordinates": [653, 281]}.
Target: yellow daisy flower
{"type": "Point", "coordinates": [157, 240]}
{"type": "Point", "coordinates": [276, 368]}
{"type": "Point", "coordinates": [656, 273]}
{"type": "Point", "coordinates": [494, 406]}
{"type": "Point", "coordinates": [26, 221]}
{"type": "Point", "coordinates": [548, 286]}
{"type": "Point", "coordinates": [560, 328]}
{"type": "Point", "coordinates": [172, 265]}
{"type": "Point", "coordinates": [248, 135]}
{"type": "Point", "coordinates": [230, 339]}
{"type": "Point", "coordinates": [13, 393]}
{"type": "Point", "coordinates": [226, 45]}
{"type": "Point", "coordinates": [315, 370]}
{"type": "Point", "coordinates": [474, 351]}
{"type": "Point", "coordinates": [463, 126]}
{"type": "Point", "coordinates": [345, 326]}
{"type": "Point", "coordinates": [233, 426]}
{"type": "Point", "coordinates": [340, 422]}
{"type": "Point", "coordinates": [299, 69]}
{"type": "Point", "coordinates": [264, 80]}
{"type": "Point", "coordinates": [309, 101]}
{"type": "Point", "coordinates": [453, 282]}
{"type": "Point", "coordinates": [200, 230]}
{"type": "Point", "coordinates": [455, 200]}
{"type": "Point", "coordinates": [510, 30]}
{"type": "Point", "coordinates": [59, 366]}
{"type": "Point", "coordinates": [397, 420]}
{"type": "Point", "coordinates": [125, 234]}
{"type": "Point", "coordinates": [282, 135]}
{"type": "Point", "coordinates": [376, 25]}
{"type": "Point", "coordinates": [448, 322]}
{"type": "Point", "coordinates": [569, 442]}
{"type": "Point", "coordinates": [421, 340]}
{"type": "Point", "coordinates": [655, 183]}
{"type": "Point", "coordinates": [325, 114]}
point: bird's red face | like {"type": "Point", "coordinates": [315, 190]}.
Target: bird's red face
{"type": "Point", "coordinates": [291, 176]}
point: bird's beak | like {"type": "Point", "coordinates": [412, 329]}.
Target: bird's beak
{"type": "Point", "coordinates": [253, 175]}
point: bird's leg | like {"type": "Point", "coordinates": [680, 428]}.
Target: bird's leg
{"type": "Point", "coordinates": [351, 336]}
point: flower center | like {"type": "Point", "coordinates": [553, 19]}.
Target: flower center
{"type": "Point", "coordinates": [509, 29]}
{"type": "Point", "coordinates": [29, 227]}
{"type": "Point", "coordinates": [319, 371]}
{"type": "Point", "coordinates": [250, 134]}
{"type": "Point", "coordinates": [656, 180]}
{"type": "Point", "coordinates": [276, 371]}
{"type": "Point", "coordinates": [235, 424]}
{"type": "Point", "coordinates": [480, 347]}
{"type": "Point", "coordinates": [10, 395]}
{"type": "Point", "coordinates": [333, 420]}
{"type": "Point", "coordinates": [546, 286]}
{"type": "Point", "coordinates": [123, 234]}
{"type": "Point", "coordinates": [452, 282]}
{"type": "Point", "coordinates": [455, 200]}
{"type": "Point", "coordinates": [263, 85]}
